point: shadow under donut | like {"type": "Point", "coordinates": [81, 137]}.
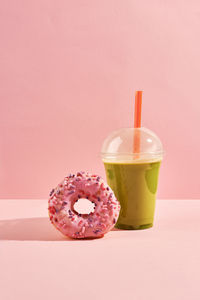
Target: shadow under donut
{"type": "Point", "coordinates": [33, 229]}
{"type": "Point", "coordinates": [30, 229]}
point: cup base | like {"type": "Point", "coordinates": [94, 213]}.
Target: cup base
{"type": "Point", "coordinates": [133, 227]}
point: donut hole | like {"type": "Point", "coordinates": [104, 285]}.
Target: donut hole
{"type": "Point", "coordinates": [84, 206]}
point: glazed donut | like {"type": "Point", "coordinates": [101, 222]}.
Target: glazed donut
{"type": "Point", "coordinates": [73, 224]}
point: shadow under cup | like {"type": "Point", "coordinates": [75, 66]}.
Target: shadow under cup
{"type": "Point", "coordinates": [135, 186]}
{"type": "Point", "coordinates": [133, 176]}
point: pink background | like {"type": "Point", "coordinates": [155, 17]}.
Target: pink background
{"type": "Point", "coordinates": [68, 72]}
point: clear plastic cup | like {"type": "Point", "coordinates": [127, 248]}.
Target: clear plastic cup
{"type": "Point", "coordinates": [132, 158]}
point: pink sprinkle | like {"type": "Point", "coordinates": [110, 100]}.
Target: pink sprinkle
{"type": "Point", "coordinates": [52, 210]}
{"type": "Point", "coordinates": [102, 187]}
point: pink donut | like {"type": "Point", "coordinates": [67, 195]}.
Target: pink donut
{"type": "Point", "coordinates": [73, 224]}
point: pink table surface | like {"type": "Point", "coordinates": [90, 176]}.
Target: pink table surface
{"type": "Point", "coordinates": [158, 263]}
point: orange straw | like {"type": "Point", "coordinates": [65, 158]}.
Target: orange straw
{"type": "Point", "coordinates": [137, 121]}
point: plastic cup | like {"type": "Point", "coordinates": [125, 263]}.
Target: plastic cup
{"type": "Point", "coordinates": [133, 176]}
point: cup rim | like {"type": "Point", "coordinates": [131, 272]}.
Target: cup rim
{"type": "Point", "coordinates": [128, 154]}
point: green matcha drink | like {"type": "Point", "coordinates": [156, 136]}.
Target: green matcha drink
{"type": "Point", "coordinates": [135, 186]}
{"type": "Point", "coordinates": [133, 176]}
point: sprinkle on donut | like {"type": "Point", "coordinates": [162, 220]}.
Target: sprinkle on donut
{"type": "Point", "coordinates": [73, 224]}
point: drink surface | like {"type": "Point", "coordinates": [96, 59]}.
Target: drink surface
{"type": "Point", "coordinates": [135, 186]}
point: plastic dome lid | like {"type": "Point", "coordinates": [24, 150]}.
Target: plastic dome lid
{"type": "Point", "coordinates": [120, 145]}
